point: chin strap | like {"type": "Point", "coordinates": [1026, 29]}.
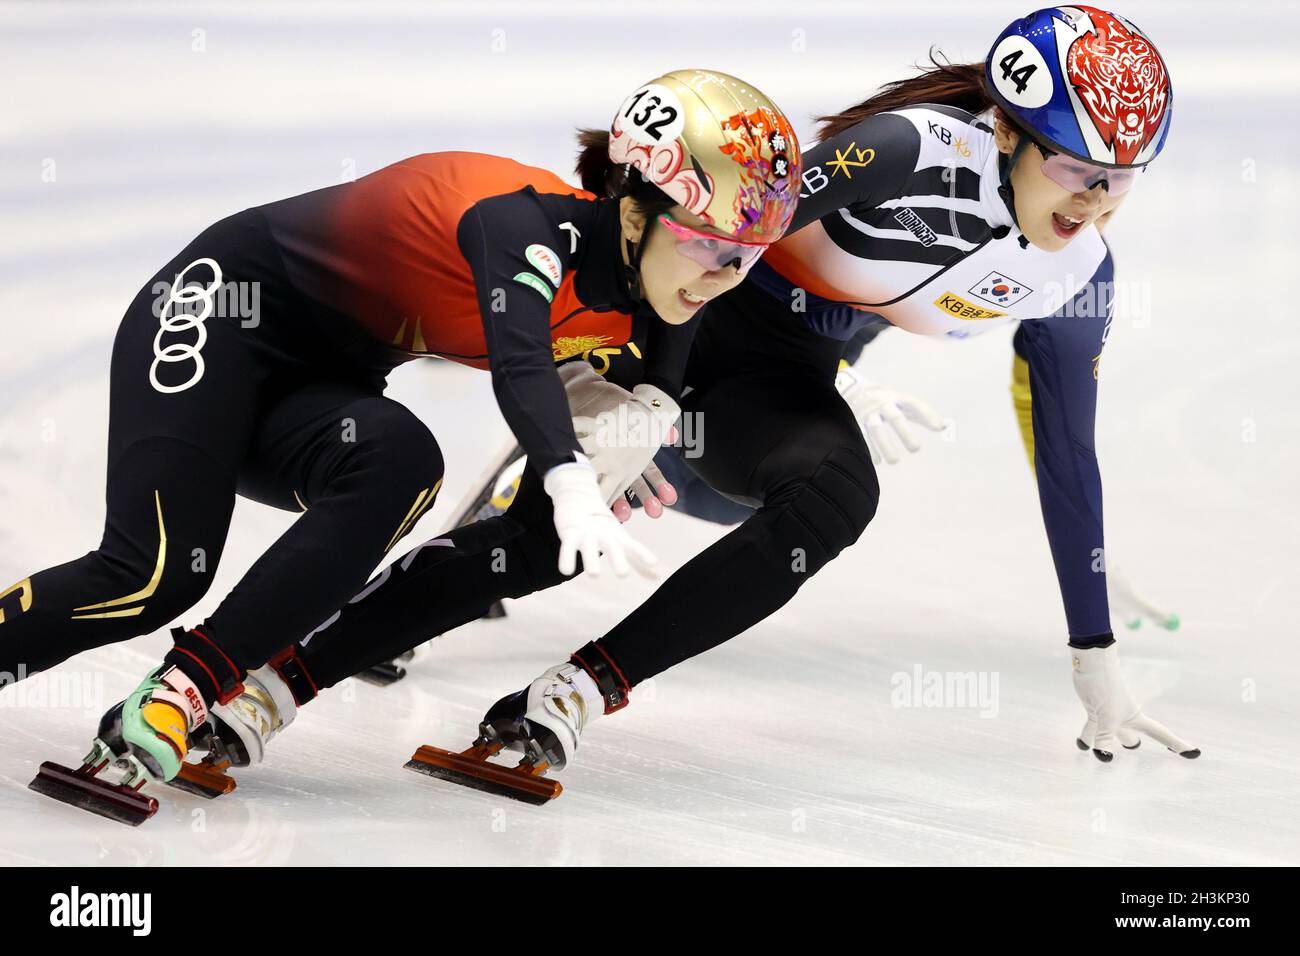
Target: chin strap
{"type": "Point", "coordinates": [1005, 165]}
{"type": "Point", "coordinates": [632, 271]}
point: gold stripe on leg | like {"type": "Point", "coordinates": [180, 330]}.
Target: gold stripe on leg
{"type": "Point", "coordinates": [398, 533]}
{"type": "Point", "coordinates": [129, 612]}
{"type": "Point", "coordinates": [422, 503]}
{"type": "Point", "coordinates": [147, 591]}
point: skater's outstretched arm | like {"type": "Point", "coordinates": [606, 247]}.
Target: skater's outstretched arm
{"type": "Point", "coordinates": [1127, 604]}
{"type": "Point", "coordinates": [515, 308]}
{"type": "Point", "coordinates": [1063, 355]}
{"type": "Point", "coordinates": [516, 317]}
{"type": "Point", "coordinates": [1063, 352]}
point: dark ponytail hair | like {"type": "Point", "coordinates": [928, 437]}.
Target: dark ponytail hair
{"type": "Point", "coordinates": [945, 83]}
{"type": "Point", "coordinates": [608, 180]}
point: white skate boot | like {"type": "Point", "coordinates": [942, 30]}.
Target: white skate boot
{"type": "Point", "coordinates": [253, 719]}
{"type": "Point", "coordinates": [544, 722]}
{"type": "Point", "coordinates": [242, 729]}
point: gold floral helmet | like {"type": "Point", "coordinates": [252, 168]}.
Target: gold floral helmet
{"type": "Point", "coordinates": [715, 145]}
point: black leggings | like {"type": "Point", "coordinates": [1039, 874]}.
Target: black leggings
{"type": "Point", "coordinates": [244, 388]}
{"type": "Point", "coordinates": [775, 435]}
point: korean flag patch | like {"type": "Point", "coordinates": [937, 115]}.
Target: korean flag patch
{"type": "Point", "coordinates": [1000, 289]}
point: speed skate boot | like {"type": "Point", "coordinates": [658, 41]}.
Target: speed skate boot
{"type": "Point", "coordinates": [544, 722]}
{"type": "Point", "coordinates": [242, 728]}
{"type": "Point", "coordinates": [146, 736]}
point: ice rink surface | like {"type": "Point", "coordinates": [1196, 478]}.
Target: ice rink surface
{"type": "Point", "coordinates": [130, 127]}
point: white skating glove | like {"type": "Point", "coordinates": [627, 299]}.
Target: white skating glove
{"type": "Point", "coordinates": [586, 526]}
{"type": "Point", "coordinates": [620, 432]}
{"type": "Point", "coordinates": [1129, 607]}
{"type": "Point", "coordinates": [652, 489]}
{"type": "Point", "coordinates": [1111, 711]}
{"type": "Point", "coordinates": [884, 413]}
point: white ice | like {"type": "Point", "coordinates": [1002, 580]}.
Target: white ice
{"type": "Point", "coordinates": [131, 127]}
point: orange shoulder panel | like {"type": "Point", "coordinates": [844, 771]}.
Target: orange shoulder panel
{"type": "Point", "coordinates": [393, 238]}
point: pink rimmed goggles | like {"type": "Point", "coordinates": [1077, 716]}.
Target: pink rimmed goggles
{"type": "Point", "coordinates": [713, 252]}
{"type": "Point", "coordinates": [1077, 176]}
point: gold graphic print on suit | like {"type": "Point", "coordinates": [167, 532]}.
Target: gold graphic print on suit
{"type": "Point", "coordinates": [606, 354]}
{"type": "Point", "coordinates": [567, 346]}
{"type": "Point", "coordinates": [24, 591]}
{"type": "Point", "coordinates": [417, 339]}
{"type": "Point", "coordinates": [850, 158]}
{"type": "Point", "coordinates": [422, 502]}
{"type": "Point", "coordinates": [145, 592]}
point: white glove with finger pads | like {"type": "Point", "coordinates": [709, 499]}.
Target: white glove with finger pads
{"type": "Point", "coordinates": [1111, 710]}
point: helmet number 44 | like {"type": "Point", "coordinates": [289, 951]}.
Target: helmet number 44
{"type": "Point", "coordinates": [1021, 76]}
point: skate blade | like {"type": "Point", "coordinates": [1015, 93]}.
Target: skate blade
{"type": "Point", "coordinates": [81, 789]}
{"type": "Point", "coordinates": [472, 769]}
{"type": "Point", "coordinates": [381, 675]}
{"type": "Point", "coordinates": [207, 778]}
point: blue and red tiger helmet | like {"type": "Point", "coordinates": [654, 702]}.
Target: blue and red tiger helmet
{"type": "Point", "coordinates": [1083, 82]}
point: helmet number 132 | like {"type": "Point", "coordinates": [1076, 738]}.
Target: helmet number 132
{"type": "Point", "coordinates": [653, 117]}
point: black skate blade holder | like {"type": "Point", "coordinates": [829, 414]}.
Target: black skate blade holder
{"type": "Point", "coordinates": [81, 788]}
{"type": "Point", "coordinates": [471, 768]}
{"type": "Point", "coordinates": [384, 673]}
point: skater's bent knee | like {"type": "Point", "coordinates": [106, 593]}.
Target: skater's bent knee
{"type": "Point", "coordinates": [830, 508]}
{"type": "Point", "coordinates": [850, 473]}
{"type": "Point", "coordinates": [390, 440]}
